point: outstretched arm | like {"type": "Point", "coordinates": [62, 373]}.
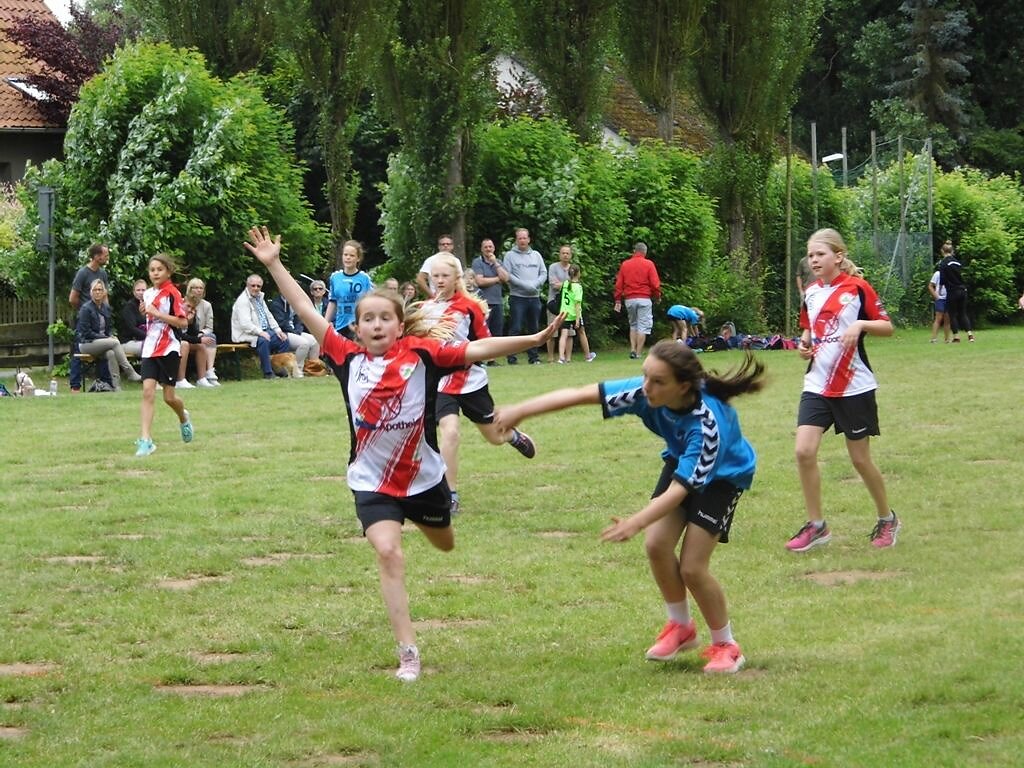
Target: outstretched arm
{"type": "Point", "coordinates": [509, 416]}
{"type": "Point", "coordinates": [657, 508]}
{"type": "Point", "coordinates": [497, 346]}
{"type": "Point", "coordinates": [268, 251]}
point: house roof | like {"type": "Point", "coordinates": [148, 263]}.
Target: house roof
{"type": "Point", "coordinates": [626, 113]}
{"type": "Point", "coordinates": [18, 110]}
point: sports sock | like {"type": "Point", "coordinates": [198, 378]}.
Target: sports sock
{"type": "Point", "coordinates": [888, 518]}
{"type": "Point", "coordinates": [723, 635]}
{"type": "Point", "coordinates": [819, 524]}
{"type": "Point", "coordinates": [679, 612]}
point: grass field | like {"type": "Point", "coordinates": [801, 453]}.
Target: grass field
{"type": "Point", "coordinates": [215, 605]}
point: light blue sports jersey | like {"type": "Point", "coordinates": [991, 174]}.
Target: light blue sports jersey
{"type": "Point", "coordinates": [346, 290]}
{"type": "Point", "coordinates": [679, 312]}
{"type": "Point", "coordinates": [706, 441]}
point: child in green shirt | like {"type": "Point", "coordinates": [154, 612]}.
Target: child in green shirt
{"type": "Point", "coordinates": [572, 308]}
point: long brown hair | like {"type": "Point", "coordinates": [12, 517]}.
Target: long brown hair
{"type": "Point", "coordinates": [748, 376]}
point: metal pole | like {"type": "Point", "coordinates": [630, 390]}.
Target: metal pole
{"type": "Point", "coordinates": [846, 165]}
{"type": "Point", "coordinates": [874, 195]}
{"type": "Point", "coordinates": [931, 199]}
{"type": "Point", "coordinates": [901, 239]}
{"type": "Point", "coordinates": [814, 170]}
{"type": "Point", "coordinates": [789, 229]}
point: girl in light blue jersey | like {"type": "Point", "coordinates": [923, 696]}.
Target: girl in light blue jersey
{"type": "Point", "coordinates": [707, 466]}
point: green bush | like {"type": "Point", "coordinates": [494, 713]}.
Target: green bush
{"type": "Point", "coordinates": [162, 156]}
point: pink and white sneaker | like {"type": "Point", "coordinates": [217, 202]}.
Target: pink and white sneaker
{"type": "Point", "coordinates": [674, 637]}
{"type": "Point", "coordinates": [723, 659]}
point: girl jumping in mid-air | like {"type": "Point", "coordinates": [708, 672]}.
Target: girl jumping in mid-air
{"type": "Point", "coordinates": [707, 466]}
{"type": "Point", "coordinates": [164, 312]}
{"type": "Point", "coordinates": [839, 309]}
{"type": "Point", "coordinates": [465, 389]}
{"type": "Point", "coordinates": [389, 381]}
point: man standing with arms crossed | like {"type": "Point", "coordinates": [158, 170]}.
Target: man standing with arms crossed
{"type": "Point", "coordinates": [526, 274]}
{"type": "Point", "coordinates": [490, 276]}
{"type": "Point", "coordinates": [639, 285]}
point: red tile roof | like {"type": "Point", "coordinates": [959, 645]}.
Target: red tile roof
{"type": "Point", "coordinates": [18, 111]}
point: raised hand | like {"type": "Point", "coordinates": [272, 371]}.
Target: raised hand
{"type": "Point", "coordinates": [261, 245]}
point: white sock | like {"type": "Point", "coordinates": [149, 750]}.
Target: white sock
{"type": "Point", "coordinates": [819, 524]}
{"type": "Point", "coordinates": [679, 612]}
{"type": "Point", "coordinates": [723, 635]}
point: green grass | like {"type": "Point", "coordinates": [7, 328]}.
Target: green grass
{"type": "Point", "coordinates": [532, 631]}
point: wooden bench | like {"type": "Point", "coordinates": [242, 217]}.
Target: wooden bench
{"type": "Point", "coordinates": [232, 353]}
{"type": "Point", "coordinates": [229, 353]}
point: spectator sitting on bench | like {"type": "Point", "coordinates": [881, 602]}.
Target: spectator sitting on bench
{"type": "Point", "coordinates": [133, 321]}
{"type": "Point", "coordinates": [96, 338]}
{"type": "Point", "coordinates": [253, 324]}
{"type": "Point", "coordinates": [303, 344]}
{"type": "Point", "coordinates": [199, 333]}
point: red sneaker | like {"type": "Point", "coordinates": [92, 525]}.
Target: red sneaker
{"type": "Point", "coordinates": [675, 637]}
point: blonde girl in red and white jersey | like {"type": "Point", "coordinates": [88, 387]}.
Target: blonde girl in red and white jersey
{"type": "Point", "coordinates": [465, 389]}
{"type": "Point", "coordinates": [839, 309]}
{"type": "Point", "coordinates": [389, 378]}
{"type": "Point", "coordinates": [165, 311]}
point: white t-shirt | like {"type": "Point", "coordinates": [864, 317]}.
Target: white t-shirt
{"type": "Point", "coordinates": [940, 287]}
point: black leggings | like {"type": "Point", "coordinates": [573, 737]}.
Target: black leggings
{"type": "Point", "coordinates": [956, 306]}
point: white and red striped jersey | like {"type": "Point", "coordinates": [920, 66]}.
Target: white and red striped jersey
{"type": "Point", "coordinates": [160, 338]}
{"type": "Point", "coordinates": [391, 410]}
{"type": "Point", "coordinates": [470, 323]}
{"type": "Point", "coordinates": [828, 310]}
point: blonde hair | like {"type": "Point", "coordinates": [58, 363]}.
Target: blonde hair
{"type": "Point", "coordinates": [447, 260]}
{"type": "Point", "coordinates": [100, 283]}
{"type": "Point", "coordinates": [836, 244]}
{"type": "Point", "coordinates": [195, 282]}
{"type": "Point", "coordinates": [166, 260]}
{"type": "Point", "coordinates": [417, 321]}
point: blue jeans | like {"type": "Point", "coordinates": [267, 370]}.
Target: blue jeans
{"type": "Point", "coordinates": [264, 349]}
{"type": "Point", "coordinates": [75, 368]}
{"type": "Point", "coordinates": [496, 320]}
{"type": "Point", "coordinates": [524, 318]}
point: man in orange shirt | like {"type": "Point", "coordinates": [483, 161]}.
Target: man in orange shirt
{"type": "Point", "coordinates": [638, 284]}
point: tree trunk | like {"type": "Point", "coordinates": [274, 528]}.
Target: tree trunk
{"type": "Point", "coordinates": [338, 168]}
{"type": "Point", "coordinates": [667, 115]}
{"type": "Point", "coordinates": [453, 194]}
{"type": "Point", "coordinates": [735, 222]}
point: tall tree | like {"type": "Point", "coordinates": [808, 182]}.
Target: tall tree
{"type": "Point", "coordinates": [656, 38]}
{"type": "Point", "coordinates": [69, 57]}
{"type": "Point", "coordinates": [933, 73]}
{"type": "Point", "coordinates": [566, 43]}
{"type": "Point", "coordinates": [436, 83]}
{"type": "Point", "coordinates": [330, 40]}
{"type": "Point", "coordinates": [745, 73]}
{"type": "Point", "coordinates": [231, 34]}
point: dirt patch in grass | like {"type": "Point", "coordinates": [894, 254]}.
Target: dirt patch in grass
{"type": "Point", "coordinates": [448, 623]}
{"type": "Point", "coordinates": [213, 691]}
{"type": "Point", "coordinates": [514, 735]}
{"type": "Point", "coordinates": [26, 669]}
{"type": "Point", "coordinates": [213, 657]}
{"type": "Point", "coordinates": [557, 534]}
{"type": "Point", "coordinates": [10, 732]}
{"type": "Point", "coordinates": [276, 558]}
{"type": "Point", "coordinates": [190, 582]}
{"type": "Point", "coordinates": [844, 578]}
{"type": "Point", "coordinates": [467, 578]}
{"type": "Point", "coordinates": [75, 559]}
{"type": "Point", "coordinates": [353, 759]}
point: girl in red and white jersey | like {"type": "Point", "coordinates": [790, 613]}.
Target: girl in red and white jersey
{"type": "Point", "coordinates": [164, 312]}
{"type": "Point", "coordinates": [389, 378]}
{"type": "Point", "coordinates": [839, 309]}
{"type": "Point", "coordinates": [466, 389]}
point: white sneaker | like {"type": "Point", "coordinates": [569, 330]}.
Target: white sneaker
{"type": "Point", "coordinates": [183, 384]}
{"type": "Point", "coordinates": [408, 663]}
{"type": "Point", "coordinates": [211, 375]}
{"type": "Point", "coordinates": [299, 374]}
{"type": "Point", "coordinates": [204, 383]}
{"type": "Point", "coordinates": [591, 357]}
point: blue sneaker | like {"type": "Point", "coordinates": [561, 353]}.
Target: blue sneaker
{"type": "Point", "coordinates": [186, 429]}
{"type": "Point", "coordinates": [144, 447]}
